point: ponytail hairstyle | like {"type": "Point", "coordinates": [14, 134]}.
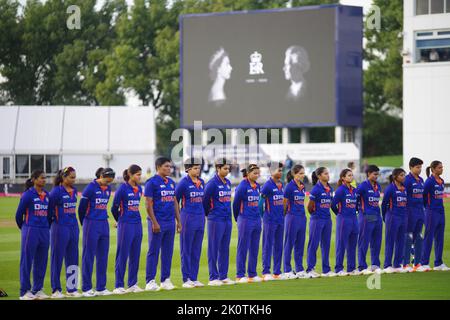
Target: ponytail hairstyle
{"type": "Point", "coordinates": [395, 173]}
{"type": "Point", "coordinates": [30, 181]}
{"type": "Point", "coordinates": [342, 176]}
{"type": "Point", "coordinates": [315, 175]}
{"type": "Point", "coordinates": [291, 173]}
{"type": "Point", "coordinates": [433, 166]}
{"type": "Point", "coordinates": [62, 174]}
{"type": "Point", "coordinates": [99, 172]}
{"type": "Point", "coordinates": [250, 168]}
{"type": "Point", "coordinates": [133, 169]}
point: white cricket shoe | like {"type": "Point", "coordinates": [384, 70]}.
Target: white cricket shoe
{"type": "Point", "coordinates": [389, 270]}
{"type": "Point", "coordinates": [312, 274]}
{"type": "Point", "coordinates": [290, 275]}
{"type": "Point", "coordinates": [89, 294]}
{"type": "Point", "coordinates": [119, 291]}
{"type": "Point", "coordinates": [152, 286]}
{"type": "Point", "coordinates": [228, 281]}
{"type": "Point", "coordinates": [28, 296]}
{"type": "Point", "coordinates": [442, 267]}
{"type": "Point", "coordinates": [74, 294]}
{"type": "Point", "coordinates": [198, 284]}
{"type": "Point", "coordinates": [57, 295]}
{"type": "Point", "coordinates": [215, 283]}
{"type": "Point", "coordinates": [355, 272]}
{"type": "Point", "coordinates": [301, 275]}
{"type": "Point", "coordinates": [242, 280]}
{"type": "Point", "coordinates": [267, 277]}
{"type": "Point", "coordinates": [40, 295]}
{"type": "Point", "coordinates": [167, 285]}
{"type": "Point", "coordinates": [366, 272]}
{"type": "Point", "coordinates": [342, 273]}
{"type": "Point", "coordinates": [425, 268]}
{"type": "Point", "coordinates": [188, 284]}
{"type": "Point", "coordinates": [400, 270]}
{"type": "Point", "coordinates": [105, 292]}
{"type": "Point", "coordinates": [408, 268]}
{"type": "Point", "coordinates": [329, 274]}
{"type": "Point", "coordinates": [280, 276]}
{"type": "Point", "coordinates": [255, 279]}
{"type": "Point", "coordinates": [135, 289]}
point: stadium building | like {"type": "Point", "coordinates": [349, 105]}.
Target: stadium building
{"type": "Point", "coordinates": [426, 81]}
{"type": "Point", "coordinates": [52, 137]}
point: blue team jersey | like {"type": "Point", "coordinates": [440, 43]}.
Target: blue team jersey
{"type": "Point", "coordinates": [162, 191]}
{"type": "Point", "coordinates": [414, 189]}
{"type": "Point", "coordinates": [273, 194]}
{"type": "Point", "coordinates": [217, 199]}
{"type": "Point", "coordinates": [322, 197]}
{"type": "Point", "coordinates": [345, 201]}
{"type": "Point", "coordinates": [126, 203]}
{"type": "Point", "coordinates": [434, 193]}
{"type": "Point", "coordinates": [64, 204]}
{"type": "Point", "coordinates": [295, 196]}
{"type": "Point", "coordinates": [34, 210]}
{"type": "Point", "coordinates": [394, 200]}
{"type": "Point", "coordinates": [191, 195]}
{"type": "Point", "coordinates": [246, 199]}
{"type": "Point", "coordinates": [97, 197]}
{"type": "Point", "coordinates": [369, 198]}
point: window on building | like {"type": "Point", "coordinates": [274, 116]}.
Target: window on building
{"type": "Point", "coordinates": [22, 165]}
{"type": "Point", "coordinates": [433, 46]}
{"type": "Point", "coordinates": [37, 162]}
{"type": "Point", "coordinates": [447, 6]}
{"type": "Point", "coordinates": [422, 7]}
{"type": "Point", "coordinates": [51, 164]}
{"type": "Point", "coordinates": [6, 168]}
{"type": "Point", "coordinates": [437, 6]}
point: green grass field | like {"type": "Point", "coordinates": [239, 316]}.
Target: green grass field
{"type": "Point", "coordinates": [386, 161]}
{"type": "Point", "coordinates": [431, 285]}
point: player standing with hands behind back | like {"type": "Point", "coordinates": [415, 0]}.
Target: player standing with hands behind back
{"type": "Point", "coordinates": [162, 211]}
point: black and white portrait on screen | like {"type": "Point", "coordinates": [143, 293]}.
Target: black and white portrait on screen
{"type": "Point", "coordinates": [219, 72]}
{"type": "Point", "coordinates": [296, 64]}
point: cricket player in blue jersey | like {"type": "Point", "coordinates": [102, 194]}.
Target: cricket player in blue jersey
{"type": "Point", "coordinates": [217, 206]}
{"type": "Point", "coordinates": [320, 224]}
{"type": "Point", "coordinates": [189, 193]}
{"type": "Point", "coordinates": [64, 233]}
{"type": "Point", "coordinates": [162, 211]}
{"type": "Point", "coordinates": [416, 215]}
{"type": "Point", "coordinates": [393, 210]}
{"type": "Point", "coordinates": [295, 222]}
{"type": "Point", "coordinates": [344, 205]}
{"type": "Point", "coordinates": [33, 217]}
{"type": "Point", "coordinates": [370, 222]}
{"type": "Point", "coordinates": [125, 210]}
{"type": "Point", "coordinates": [93, 216]}
{"type": "Point", "coordinates": [433, 197]}
{"type": "Point", "coordinates": [246, 213]}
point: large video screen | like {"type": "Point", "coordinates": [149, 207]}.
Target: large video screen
{"type": "Point", "coordinates": [272, 68]}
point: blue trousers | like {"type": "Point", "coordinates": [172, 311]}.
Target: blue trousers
{"type": "Point", "coordinates": [95, 245]}
{"type": "Point", "coordinates": [249, 236]}
{"type": "Point", "coordinates": [34, 253]}
{"type": "Point", "coordinates": [219, 237]}
{"type": "Point", "coordinates": [347, 230]}
{"type": "Point", "coordinates": [191, 238]}
{"type": "Point", "coordinates": [394, 239]}
{"type": "Point", "coordinates": [294, 238]}
{"type": "Point", "coordinates": [416, 217]}
{"type": "Point", "coordinates": [129, 240]}
{"type": "Point", "coordinates": [370, 233]}
{"type": "Point", "coordinates": [319, 233]}
{"type": "Point", "coordinates": [434, 230]}
{"type": "Point", "coordinates": [272, 246]}
{"type": "Point", "coordinates": [160, 242]}
{"type": "Point", "coordinates": [64, 246]}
